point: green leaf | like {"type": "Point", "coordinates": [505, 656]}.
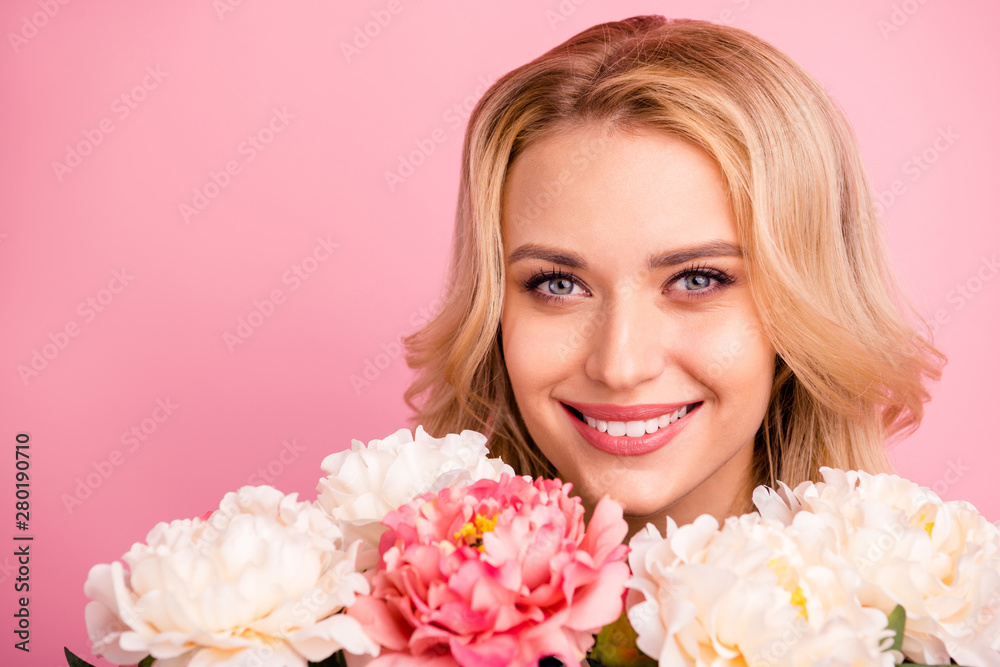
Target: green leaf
{"type": "Point", "coordinates": [75, 661]}
{"type": "Point", "coordinates": [615, 647]}
{"type": "Point", "coordinates": [897, 623]}
{"type": "Point", "coordinates": [146, 662]}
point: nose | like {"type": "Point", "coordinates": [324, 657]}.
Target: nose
{"type": "Point", "coordinates": [628, 346]}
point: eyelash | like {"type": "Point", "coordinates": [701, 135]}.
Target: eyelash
{"type": "Point", "coordinates": [539, 277]}
{"type": "Point", "coordinates": [722, 279]}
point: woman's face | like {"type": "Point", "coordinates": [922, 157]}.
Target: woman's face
{"type": "Point", "coordinates": [626, 301]}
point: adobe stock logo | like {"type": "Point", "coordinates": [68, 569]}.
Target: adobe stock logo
{"type": "Point", "coordinates": [562, 12]}
{"type": "Point", "coordinates": [381, 18]}
{"type": "Point", "coordinates": [248, 150]}
{"type": "Point", "coordinates": [915, 167]}
{"type": "Point", "coordinates": [103, 468]}
{"type": "Point", "coordinates": [269, 472]}
{"type": "Point", "coordinates": [264, 309]}
{"type": "Point", "coordinates": [31, 25]}
{"type": "Point", "coordinates": [900, 16]}
{"type": "Point", "coordinates": [223, 7]}
{"type": "Point", "coordinates": [59, 340]}
{"type": "Point", "coordinates": [965, 291]}
{"type": "Point", "coordinates": [454, 116]}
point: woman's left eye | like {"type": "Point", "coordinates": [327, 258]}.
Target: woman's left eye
{"type": "Point", "coordinates": [701, 280]}
{"type": "Point", "coordinates": [695, 281]}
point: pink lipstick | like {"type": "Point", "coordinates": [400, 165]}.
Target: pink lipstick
{"type": "Point", "coordinates": [630, 430]}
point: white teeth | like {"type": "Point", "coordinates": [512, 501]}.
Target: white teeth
{"type": "Point", "coordinates": [635, 429]}
{"type": "Point", "coordinates": [616, 428]}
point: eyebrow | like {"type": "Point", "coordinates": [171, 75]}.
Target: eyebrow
{"type": "Point", "coordinates": [548, 254]}
{"type": "Point", "coordinates": [715, 248]}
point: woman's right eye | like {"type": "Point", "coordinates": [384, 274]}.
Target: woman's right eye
{"type": "Point", "coordinates": [553, 285]}
{"type": "Point", "coordinates": [560, 286]}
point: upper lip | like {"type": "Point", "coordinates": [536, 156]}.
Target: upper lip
{"type": "Point", "coordinates": [625, 413]}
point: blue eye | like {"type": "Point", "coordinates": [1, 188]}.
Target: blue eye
{"type": "Point", "coordinates": [696, 281]}
{"type": "Point", "coordinates": [692, 283]}
{"type": "Point", "coordinates": [701, 280]}
{"type": "Point", "coordinates": [553, 285]}
{"type": "Point", "coordinates": [560, 286]}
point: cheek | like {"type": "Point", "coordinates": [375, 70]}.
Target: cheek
{"type": "Point", "coordinates": [737, 360]}
{"type": "Point", "coordinates": [532, 351]}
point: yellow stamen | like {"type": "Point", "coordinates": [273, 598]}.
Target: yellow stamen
{"type": "Point", "coordinates": [799, 600]}
{"type": "Point", "coordinates": [929, 526]}
{"type": "Point", "coordinates": [466, 533]}
{"type": "Point", "coordinates": [471, 533]}
{"type": "Point", "coordinates": [787, 581]}
{"type": "Point", "coordinates": [484, 525]}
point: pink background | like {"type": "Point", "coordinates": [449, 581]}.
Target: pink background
{"type": "Point", "coordinates": [284, 397]}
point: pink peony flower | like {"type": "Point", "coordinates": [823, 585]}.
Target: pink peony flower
{"type": "Point", "coordinates": [493, 574]}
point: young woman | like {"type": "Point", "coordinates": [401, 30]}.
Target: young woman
{"type": "Point", "coordinates": [668, 283]}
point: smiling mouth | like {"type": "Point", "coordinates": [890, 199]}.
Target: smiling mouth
{"type": "Point", "coordinates": [633, 428]}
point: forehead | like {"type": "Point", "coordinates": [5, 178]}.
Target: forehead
{"type": "Point", "coordinates": [647, 183]}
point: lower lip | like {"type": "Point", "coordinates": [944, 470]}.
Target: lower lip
{"type": "Point", "coordinates": [631, 446]}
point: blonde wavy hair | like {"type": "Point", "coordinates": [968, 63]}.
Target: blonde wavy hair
{"type": "Point", "coordinates": [850, 369]}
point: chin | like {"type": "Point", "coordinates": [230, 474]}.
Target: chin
{"type": "Point", "coordinates": [639, 500]}
{"type": "Point", "coordinates": [639, 508]}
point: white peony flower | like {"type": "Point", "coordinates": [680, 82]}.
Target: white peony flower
{"type": "Point", "coordinates": [259, 582]}
{"type": "Point", "coordinates": [366, 482]}
{"type": "Point", "coordinates": [753, 593]}
{"type": "Point", "coordinates": [939, 560]}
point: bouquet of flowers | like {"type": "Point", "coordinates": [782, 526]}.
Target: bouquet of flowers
{"type": "Point", "coordinates": [417, 550]}
{"type": "Point", "coordinates": [426, 551]}
{"type": "Point", "coordinates": [818, 575]}
{"type": "Point", "coordinates": [259, 581]}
